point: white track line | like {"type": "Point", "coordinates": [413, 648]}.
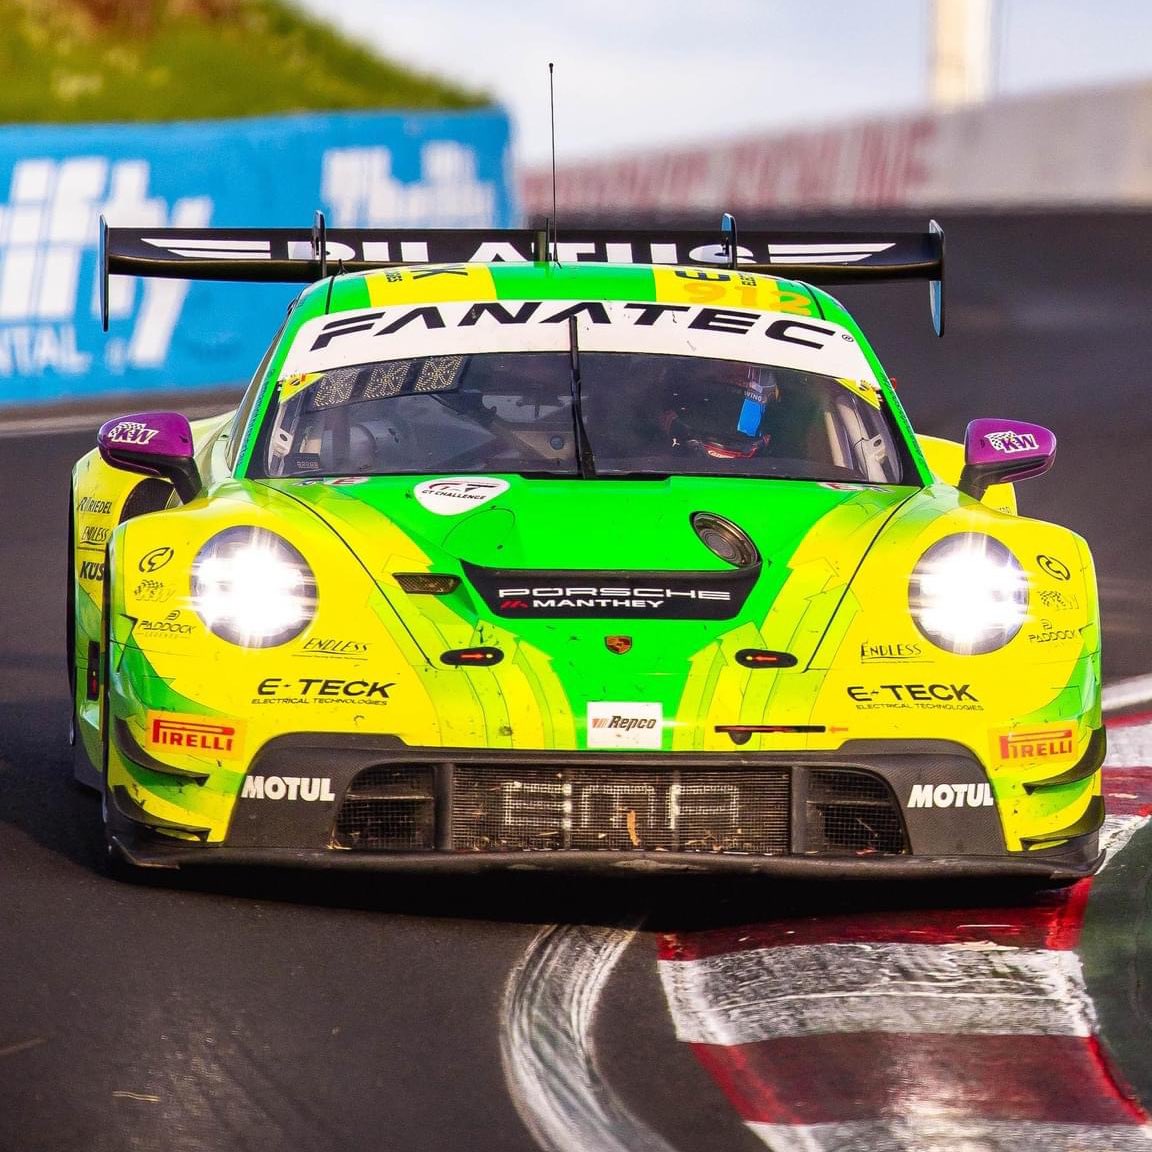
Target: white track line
{"type": "Point", "coordinates": [821, 989]}
{"type": "Point", "coordinates": [1128, 693]}
{"type": "Point", "coordinates": [546, 1044]}
{"type": "Point", "coordinates": [944, 1134]}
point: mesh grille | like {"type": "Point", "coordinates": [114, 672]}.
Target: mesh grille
{"type": "Point", "coordinates": [589, 807]}
{"type": "Point", "coordinates": [851, 812]}
{"type": "Point", "coordinates": [389, 808]}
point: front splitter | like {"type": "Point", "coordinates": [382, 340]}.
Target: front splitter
{"type": "Point", "coordinates": [1043, 870]}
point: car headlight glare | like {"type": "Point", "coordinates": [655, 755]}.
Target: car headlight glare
{"type": "Point", "coordinates": [968, 594]}
{"type": "Point", "coordinates": [252, 588]}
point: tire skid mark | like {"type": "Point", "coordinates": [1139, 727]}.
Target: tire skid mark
{"type": "Point", "coordinates": [969, 1030]}
{"type": "Point", "coordinates": [546, 1044]}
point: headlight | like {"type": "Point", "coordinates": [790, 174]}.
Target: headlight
{"type": "Point", "coordinates": [968, 594]}
{"type": "Point", "coordinates": [251, 587]}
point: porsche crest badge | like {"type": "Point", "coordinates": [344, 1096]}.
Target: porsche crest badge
{"type": "Point", "coordinates": [618, 644]}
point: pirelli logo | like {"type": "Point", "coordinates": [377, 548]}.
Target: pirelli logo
{"type": "Point", "coordinates": [196, 735]}
{"type": "Point", "coordinates": [1038, 744]}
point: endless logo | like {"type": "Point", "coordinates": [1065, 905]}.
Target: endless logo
{"type": "Point", "coordinates": [951, 796]}
{"type": "Point", "coordinates": [307, 788]}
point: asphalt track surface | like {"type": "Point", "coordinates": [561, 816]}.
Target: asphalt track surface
{"type": "Point", "coordinates": [239, 1012]}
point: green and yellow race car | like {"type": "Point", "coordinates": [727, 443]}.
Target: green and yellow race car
{"type": "Point", "coordinates": [611, 552]}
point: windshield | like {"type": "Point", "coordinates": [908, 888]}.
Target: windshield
{"type": "Point", "coordinates": [643, 414]}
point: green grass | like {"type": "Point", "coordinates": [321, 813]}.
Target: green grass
{"type": "Point", "coordinates": [116, 60]}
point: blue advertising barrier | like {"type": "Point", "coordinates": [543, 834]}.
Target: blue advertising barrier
{"type": "Point", "coordinates": [448, 170]}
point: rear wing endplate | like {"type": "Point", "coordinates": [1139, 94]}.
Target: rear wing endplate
{"type": "Point", "coordinates": [302, 255]}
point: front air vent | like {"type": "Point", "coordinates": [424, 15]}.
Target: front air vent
{"type": "Point", "coordinates": [389, 808]}
{"type": "Point", "coordinates": [852, 813]}
{"type": "Point", "coordinates": [598, 806]}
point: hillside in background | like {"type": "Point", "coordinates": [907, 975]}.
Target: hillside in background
{"type": "Point", "coordinates": [101, 60]}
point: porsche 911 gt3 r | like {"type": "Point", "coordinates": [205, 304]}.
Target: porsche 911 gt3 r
{"type": "Point", "coordinates": [573, 562]}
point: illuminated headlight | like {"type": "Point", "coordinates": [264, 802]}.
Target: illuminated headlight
{"type": "Point", "coordinates": [968, 594]}
{"type": "Point", "coordinates": [252, 588]}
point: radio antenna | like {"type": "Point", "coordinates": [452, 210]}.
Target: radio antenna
{"type": "Point", "coordinates": [552, 114]}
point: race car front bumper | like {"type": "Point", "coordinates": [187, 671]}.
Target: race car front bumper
{"type": "Point", "coordinates": [872, 808]}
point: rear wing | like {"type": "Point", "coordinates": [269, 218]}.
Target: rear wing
{"type": "Point", "coordinates": [302, 255]}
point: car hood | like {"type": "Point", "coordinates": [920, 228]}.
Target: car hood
{"type": "Point", "coordinates": [611, 539]}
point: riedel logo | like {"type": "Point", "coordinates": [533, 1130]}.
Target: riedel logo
{"type": "Point", "coordinates": [49, 228]}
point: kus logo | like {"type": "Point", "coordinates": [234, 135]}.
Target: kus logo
{"type": "Point", "coordinates": [310, 789]}
{"type": "Point", "coordinates": [195, 734]}
{"type": "Point", "coordinates": [92, 570]}
{"type": "Point", "coordinates": [49, 225]}
{"type": "Point", "coordinates": [1039, 743]}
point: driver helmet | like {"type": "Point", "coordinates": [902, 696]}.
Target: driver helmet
{"type": "Point", "coordinates": [721, 411]}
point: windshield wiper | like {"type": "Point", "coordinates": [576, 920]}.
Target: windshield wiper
{"type": "Point", "coordinates": [584, 457]}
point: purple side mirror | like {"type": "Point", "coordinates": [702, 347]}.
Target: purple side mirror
{"type": "Point", "coordinates": [153, 444]}
{"type": "Point", "coordinates": [1001, 451]}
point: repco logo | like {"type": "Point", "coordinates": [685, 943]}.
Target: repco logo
{"type": "Point", "coordinates": [307, 788]}
{"type": "Point", "coordinates": [951, 796]}
{"type": "Point", "coordinates": [624, 723]}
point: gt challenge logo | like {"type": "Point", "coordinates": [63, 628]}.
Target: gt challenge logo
{"type": "Point", "coordinates": [48, 276]}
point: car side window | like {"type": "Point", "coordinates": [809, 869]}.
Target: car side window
{"type": "Point", "coordinates": [236, 432]}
